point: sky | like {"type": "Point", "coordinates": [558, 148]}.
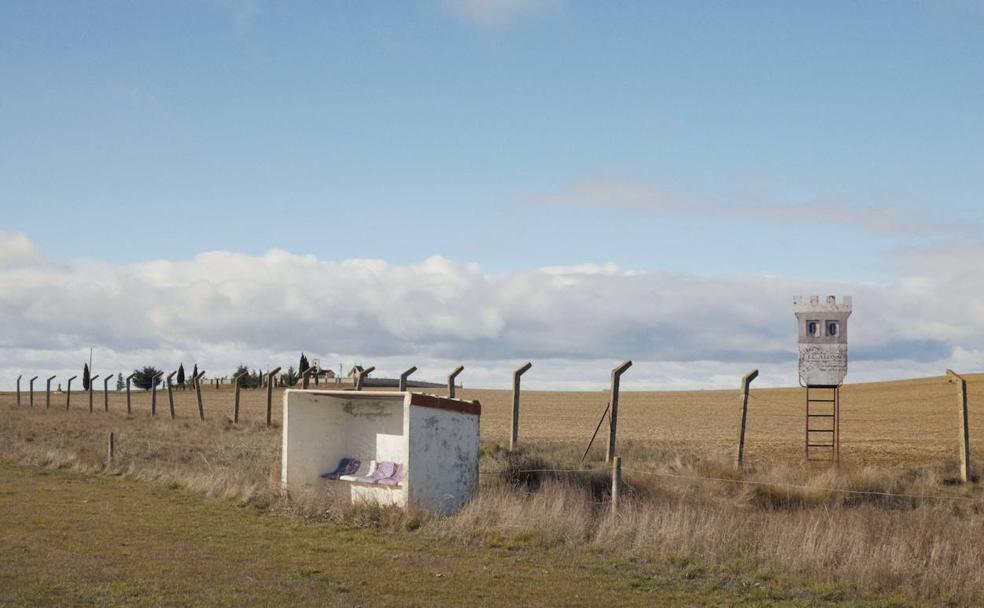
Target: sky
{"type": "Point", "coordinates": [489, 182]}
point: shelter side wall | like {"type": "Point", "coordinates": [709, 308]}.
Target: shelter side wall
{"type": "Point", "coordinates": [443, 471]}
{"type": "Point", "coordinates": [320, 430]}
{"type": "Point", "coordinates": [313, 436]}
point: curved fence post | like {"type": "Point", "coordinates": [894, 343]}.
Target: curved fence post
{"type": "Point", "coordinates": [452, 378]}
{"type": "Point", "coordinates": [514, 435]}
{"type": "Point", "coordinates": [68, 393]}
{"type": "Point", "coordinates": [32, 391]}
{"type": "Point", "coordinates": [361, 378]}
{"type": "Point", "coordinates": [170, 392]}
{"type": "Point", "coordinates": [237, 380]}
{"type": "Point", "coordinates": [198, 395]}
{"type": "Point", "coordinates": [18, 389]}
{"type": "Point", "coordinates": [270, 375]}
{"type": "Point", "coordinates": [153, 392]}
{"type": "Point", "coordinates": [306, 377]}
{"type": "Point", "coordinates": [106, 391]}
{"type": "Point", "coordinates": [613, 413]}
{"type": "Point", "coordinates": [404, 376]}
{"type": "Point", "coordinates": [746, 383]}
{"type": "Point", "coordinates": [47, 392]}
{"type": "Point", "coordinates": [92, 381]}
{"type": "Point", "coordinates": [129, 408]}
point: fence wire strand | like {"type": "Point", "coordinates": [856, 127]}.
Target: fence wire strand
{"type": "Point", "coordinates": [786, 486]}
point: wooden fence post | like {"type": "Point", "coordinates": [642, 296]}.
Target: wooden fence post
{"type": "Point", "coordinates": [18, 389]}
{"type": "Point", "coordinates": [170, 392]}
{"type": "Point", "coordinates": [153, 393]}
{"type": "Point", "coordinates": [613, 412]}
{"type": "Point", "coordinates": [269, 387]}
{"type": "Point", "coordinates": [514, 433]}
{"type": "Point", "coordinates": [47, 392]}
{"type": "Point", "coordinates": [106, 391]}
{"type": "Point", "coordinates": [129, 409]}
{"type": "Point", "coordinates": [965, 472]}
{"type": "Point", "coordinates": [746, 382]}
{"type": "Point", "coordinates": [111, 447]}
{"type": "Point", "coordinates": [32, 391]}
{"type": "Point", "coordinates": [404, 376]}
{"type": "Point", "coordinates": [616, 483]}
{"type": "Point", "coordinates": [68, 393]}
{"type": "Point", "coordinates": [237, 380]}
{"type": "Point", "coordinates": [92, 381]}
{"type": "Point", "coordinates": [198, 395]}
{"type": "Point", "coordinates": [451, 379]}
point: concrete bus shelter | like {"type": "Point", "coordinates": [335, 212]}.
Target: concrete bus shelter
{"type": "Point", "coordinates": [429, 444]}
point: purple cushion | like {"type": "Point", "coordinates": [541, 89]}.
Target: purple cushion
{"type": "Point", "coordinates": [391, 475]}
{"type": "Point", "coordinates": [346, 466]}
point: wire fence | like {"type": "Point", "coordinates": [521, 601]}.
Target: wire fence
{"type": "Point", "coordinates": [737, 481]}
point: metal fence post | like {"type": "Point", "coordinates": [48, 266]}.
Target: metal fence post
{"type": "Point", "coordinates": [514, 433]}
{"type": "Point", "coordinates": [452, 378]}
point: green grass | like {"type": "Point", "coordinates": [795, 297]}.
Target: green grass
{"type": "Point", "coordinates": [71, 539]}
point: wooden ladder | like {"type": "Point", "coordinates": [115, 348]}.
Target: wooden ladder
{"type": "Point", "coordinates": [823, 424]}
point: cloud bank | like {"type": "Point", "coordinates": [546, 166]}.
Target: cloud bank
{"type": "Point", "coordinates": [221, 308]}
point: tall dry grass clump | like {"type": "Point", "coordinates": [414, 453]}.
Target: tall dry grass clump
{"type": "Point", "coordinates": [909, 532]}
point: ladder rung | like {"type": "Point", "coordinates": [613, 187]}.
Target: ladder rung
{"type": "Point", "coordinates": [819, 430]}
{"type": "Point", "coordinates": [819, 415]}
{"type": "Point", "coordinates": [819, 445]}
{"type": "Point", "coordinates": [822, 400]}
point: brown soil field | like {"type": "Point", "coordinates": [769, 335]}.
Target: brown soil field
{"type": "Point", "coordinates": [884, 424]}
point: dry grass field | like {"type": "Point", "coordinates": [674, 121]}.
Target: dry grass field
{"type": "Point", "coordinates": [889, 526]}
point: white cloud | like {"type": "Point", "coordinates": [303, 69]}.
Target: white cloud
{"type": "Point", "coordinates": [17, 250]}
{"type": "Point", "coordinates": [498, 13]}
{"type": "Point", "coordinates": [222, 308]}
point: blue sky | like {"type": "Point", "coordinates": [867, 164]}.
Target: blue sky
{"type": "Point", "coordinates": [415, 124]}
{"type": "Point", "coordinates": [820, 143]}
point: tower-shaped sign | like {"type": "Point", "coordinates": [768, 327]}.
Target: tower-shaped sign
{"type": "Point", "coordinates": [822, 368]}
{"type": "Point", "coordinates": [822, 339]}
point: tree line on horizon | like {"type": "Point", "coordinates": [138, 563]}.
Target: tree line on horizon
{"type": "Point", "coordinates": [149, 376]}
